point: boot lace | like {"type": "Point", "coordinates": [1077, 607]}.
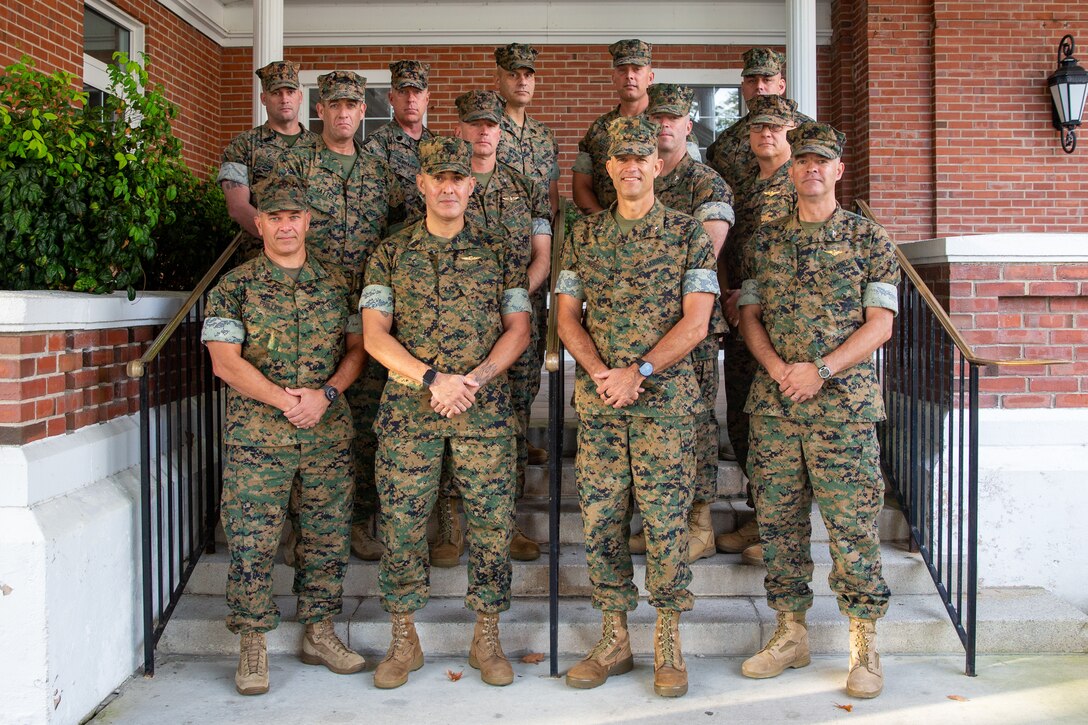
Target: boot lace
{"type": "Point", "coordinates": [780, 632]}
{"type": "Point", "coordinates": [490, 634]}
{"type": "Point", "coordinates": [665, 642]}
{"type": "Point", "coordinates": [401, 646]}
{"type": "Point", "coordinates": [323, 632]}
{"type": "Point", "coordinates": [863, 642]}
{"type": "Point", "coordinates": [445, 520]}
{"type": "Point", "coordinates": [607, 640]}
{"type": "Point", "coordinates": [253, 653]}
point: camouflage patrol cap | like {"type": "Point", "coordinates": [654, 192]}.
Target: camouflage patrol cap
{"type": "Point", "coordinates": [635, 135]}
{"type": "Point", "coordinates": [816, 138]}
{"type": "Point", "coordinates": [480, 105]}
{"type": "Point", "coordinates": [763, 62]}
{"type": "Point", "coordinates": [280, 193]}
{"type": "Point", "coordinates": [341, 84]}
{"type": "Point", "coordinates": [670, 98]}
{"type": "Point", "coordinates": [516, 55]}
{"type": "Point", "coordinates": [278, 74]}
{"type": "Point", "coordinates": [445, 153]}
{"type": "Point", "coordinates": [772, 109]}
{"type": "Point", "coordinates": [409, 73]}
{"type": "Point", "coordinates": [630, 52]}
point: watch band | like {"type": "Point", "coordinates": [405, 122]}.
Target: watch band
{"type": "Point", "coordinates": [821, 368]}
{"type": "Point", "coordinates": [429, 376]}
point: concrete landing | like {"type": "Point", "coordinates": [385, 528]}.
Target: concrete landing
{"type": "Point", "coordinates": [1008, 689]}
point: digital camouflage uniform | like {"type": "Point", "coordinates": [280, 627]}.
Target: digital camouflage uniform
{"type": "Point", "coordinates": [293, 333]}
{"type": "Point", "coordinates": [446, 297]}
{"type": "Point", "coordinates": [695, 189]}
{"type": "Point", "coordinates": [350, 217]}
{"type": "Point", "coordinates": [813, 289]}
{"type": "Point", "coordinates": [517, 207]}
{"type": "Point", "coordinates": [633, 286]}
{"type": "Point", "coordinates": [397, 148]}
{"type": "Point", "coordinates": [251, 156]}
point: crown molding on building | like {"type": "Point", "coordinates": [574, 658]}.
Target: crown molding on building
{"type": "Point", "coordinates": [1024, 248]}
{"type": "Point", "coordinates": [324, 24]}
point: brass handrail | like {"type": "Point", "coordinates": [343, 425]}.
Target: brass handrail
{"type": "Point", "coordinates": [931, 301]}
{"type": "Point", "coordinates": [551, 351]}
{"type": "Point", "coordinates": [136, 367]}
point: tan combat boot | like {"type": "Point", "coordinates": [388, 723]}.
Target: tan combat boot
{"type": "Point", "coordinates": [670, 672]}
{"type": "Point", "coordinates": [788, 648]}
{"type": "Point", "coordinates": [610, 656]}
{"type": "Point", "coordinates": [522, 548]}
{"type": "Point", "coordinates": [450, 542]}
{"type": "Point", "coordinates": [486, 653]}
{"type": "Point", "coordinates": [363, 543]}
{"type": "Point", "coordinates": [251, 677]}
{"type": "Point", "coordinates": [537, 456]}
{"type": "Point", "coordinates": [321, 646]}
{"type": "Point", "coordinates": [404, 655]}
{"type": "Point", "coordinates": [637, 542]}
{"type": "Point", "coordinates": [289, 544]}
{"type": "Point", "coordinates": [737, 541]}
{"type": "Point", "coordinates": [866, 678]}
{"type": "Point", "coordinates": [753, 555]}
{"type": "Point", "coordinates": [700, 532]}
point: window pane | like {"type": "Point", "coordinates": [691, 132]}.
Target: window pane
{"type": "Point", "coordinates": [102, 37]}
{"type": "Point", "coordinates": [96, 98]}
{"type": "Point", "coordinates": [714, 109]}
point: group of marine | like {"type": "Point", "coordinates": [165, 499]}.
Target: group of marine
{"type": "Point", "coordinates": [383, 345]}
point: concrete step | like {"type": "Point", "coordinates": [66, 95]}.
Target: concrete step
{"type": "Point", "coordinates": [715, 576]}
{"type": "Point", "coordinates": [533, 518]}
{"type": "Point", "coordinates": [1010, 621]}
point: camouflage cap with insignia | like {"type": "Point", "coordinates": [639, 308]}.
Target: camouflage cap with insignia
{"type": "Point", "coordinates": [278, 74]}
{"type": "Point", "coordinates": [516, 55]}
{"type": "Point", "coordinates": [763, 62]}
{"type": "Point", "coordinates": [409, 74]}
{"type": "Point", "coordinates": [445, 153]}
{"type": "Point", "coordinates": [341, 84]}
{"type": "Point", "coordinates": [772, 109]}
{"type": "Point", "coordinates": [632, 135]}
{"type": "Point", "coordinates": [816, 138]}
{"type": "Point", "coordinates": [480, 105]}
{"type": "Point", "coordinates": [280, 193]}
{"type": "Point", "coordinates": [630, 52]}
{"type": "Point", "coordinates": [670, 98]}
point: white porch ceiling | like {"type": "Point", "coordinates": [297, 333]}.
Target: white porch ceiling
{"type": "Point", "coordinates": [458, 22]}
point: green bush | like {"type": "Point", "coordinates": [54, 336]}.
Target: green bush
{"type": "Point", "coordinates": [83, 189]}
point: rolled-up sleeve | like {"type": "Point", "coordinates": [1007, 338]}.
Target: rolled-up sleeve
{"type": "Point", "coordinates": [749, 293]}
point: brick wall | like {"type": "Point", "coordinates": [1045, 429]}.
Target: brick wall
{"type": "Point", "coordinates": [183, 60]}
{"type": "Point", "coordinates": [57, 382]}
{"type": "Point", "coordinates": [573, 81]}
{"type": "Point", "coordinates": [1021, 311]}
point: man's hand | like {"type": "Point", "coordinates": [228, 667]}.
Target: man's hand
{"type": "Point", "coordinates": [732, 312]}
{"type": "Point", "coordinates": [619, 387]}
{"type": "Point", "coordinates": [801, 382]}
{"type": "Point", "coordinates": [310, 408]}
{"type": "Point", "coordinates": [452, 395]}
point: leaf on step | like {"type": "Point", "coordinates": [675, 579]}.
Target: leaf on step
{"type": "Point", "coordinates": [533, 658]}
{"type": "Point", "coordinates": [958, 698]}
{"type": "Point", "coordinates": [454, 676]}
{"type": "Point", "coordinates": [5, 589]}
{"type": "Point", "coordinates": [848, 708]}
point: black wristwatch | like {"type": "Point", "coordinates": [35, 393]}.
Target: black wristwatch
{"type": "Point", "coordinates": [821, 368]}
{"type": "Point", "coordinates": [645, 368]}
{"type": "Point", "coordinates": [429, 376]}
{"type": "Point", "coordinates": [331, 393]}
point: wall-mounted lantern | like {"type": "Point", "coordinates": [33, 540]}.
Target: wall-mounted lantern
{"type": "Point", "coordinates": [1068, 87]}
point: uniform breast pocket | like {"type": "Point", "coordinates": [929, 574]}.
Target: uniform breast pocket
{"type": "Point", "coordinates": [478, 279]}
{"type": "Point", "coordinates": [841, 282]}
{"type": "Point", "coordinates": [413, 279]}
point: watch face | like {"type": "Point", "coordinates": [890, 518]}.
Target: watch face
{"type": "Point", "coordinates": [331, 393]}
{"type": "Point", "coordinates": [825, 372]}
{"type": "Point", "coordinates": [646, 369]}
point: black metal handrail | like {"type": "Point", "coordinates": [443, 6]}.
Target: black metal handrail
{"type": "Point", "coordinates": [553, 363]}
{"type": "Point", "coordinates": [181, 433]}
{"type": "Point", "coordinates": [929, 443]}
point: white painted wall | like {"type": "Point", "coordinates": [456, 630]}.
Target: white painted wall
{"type": "Point", "coordinates": [70, 588]}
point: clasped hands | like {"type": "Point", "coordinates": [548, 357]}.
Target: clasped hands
{"type": "Point", "coordinates": [452, 395]}
{"type": "Point", "coordinates": [309, 407]}
{"type": "Point", "coordinates": [619, 387]}
{"type": "Point", "coordinates": [799, 381]}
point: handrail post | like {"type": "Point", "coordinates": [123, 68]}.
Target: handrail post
{"type": "Point", "coordinates": [145, 530]}
{"type": "Point", "coordinates": [972, 527]}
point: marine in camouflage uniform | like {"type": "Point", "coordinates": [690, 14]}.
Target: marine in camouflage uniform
{"type": "Point", "coordinates": [820, 300]}
{"type": "Point", "coordinates": [731, 154]}
{"type": "Point", "coordinates": [757, 202]}
{"type": "Point", "coordinates": [354, 198]}
{"type": "Point", "coordinates": [282, 334]}
{"type": "Point", "coordinates": [646, 276]}
{"type": "Point", "coordinates": [397, 142]}
{"type": "Point", "coordinates": [695, 189]}
{"type": "Point", "coordinates": [446, 305]}
{"type": "Point", "coordinates": [250, 156]}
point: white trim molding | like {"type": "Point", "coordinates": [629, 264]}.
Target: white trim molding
{"type": "Point", "coordinates": [999, 248]}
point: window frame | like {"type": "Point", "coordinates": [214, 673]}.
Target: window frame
{"type": "Point", "coordinates": [95, 72]}
{"type": "Point", "coordinates": [703, 77]}
{"type": "Point", "coordinates": [375, 78]}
